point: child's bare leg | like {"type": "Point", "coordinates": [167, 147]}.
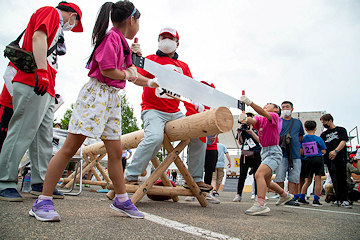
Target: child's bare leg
{"type": "Point", "coordinates": [115, 168]}
{"type": "Point", "coordinates": [317, 181]}
{"type": "Point", "coordinates": [306, 185]}
{"type": "Point", "coordinates": [58, 163]}
{"type": "Point", "coordinates": [262, 176]}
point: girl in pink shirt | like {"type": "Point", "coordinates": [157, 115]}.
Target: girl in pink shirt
{"type": "Point", "coordinates": [268, 128]}
{"type": "Point", "coordinates": [97, 110]}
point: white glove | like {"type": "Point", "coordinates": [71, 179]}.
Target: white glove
{"type": "Point", "coordinates": [242, 117]}
{"type": "Point", "coordinates": [245, 100]}
{"type": "Point", "coordinates": [198, 106]}
{"type": "Point", "coordinates": [153, 83]}
{"type": "Point", "coordinates": [131, 74]}
{"type": "Point", "coordinates": [135, 48]}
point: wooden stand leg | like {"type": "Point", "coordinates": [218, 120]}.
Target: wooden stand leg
{"type": "Point", "coordinates": [165, 180]}
{"type": "Point", "coordinates": [111, 194]}
{"type": "Point", "coordinates": [139, 194]}
{"type": "Point", "coordinates": [85, 170]}
{"type": "Point", "coordinates": [186, 174]}
{"type": "Point", "coordinates": [99, 167]}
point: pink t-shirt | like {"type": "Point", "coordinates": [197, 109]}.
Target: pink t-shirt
{"type": "Point", "coordinates": [268, 131]}
{"type": "Point", "coordinates": [110, 55]}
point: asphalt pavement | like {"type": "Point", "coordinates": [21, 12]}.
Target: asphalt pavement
{"type": "Point", "coordinates": [88, 216]}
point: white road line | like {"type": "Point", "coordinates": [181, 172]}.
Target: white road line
{"type": "Point", "coordinates": [186, 228]}
{"type": "Point", "coordinates": [320, 210]}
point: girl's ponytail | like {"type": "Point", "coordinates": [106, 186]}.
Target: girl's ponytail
{"type": "Point", "coordinates": [120, 12]}
{"type": "Point", "coordinates": [101, 25]}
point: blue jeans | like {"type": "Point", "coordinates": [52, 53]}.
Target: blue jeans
{"type": "Point", "coordinates": [271, 156]}
{"type": "Point", "coordinates": [293, 174]}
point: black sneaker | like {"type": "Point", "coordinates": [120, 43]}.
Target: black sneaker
{"type": "Point", "coordinates": [36, 189]}
{"type": "Point", "coordinates": [292, 203]}
{"type": "Point", "coordinates": [317, 204]}
{"type": "Point", "coordinates": [302, 201]}
{"type": "Point", "coordinates": [203, 186]}
{"type": "Point", "coordinates": [10, 195]}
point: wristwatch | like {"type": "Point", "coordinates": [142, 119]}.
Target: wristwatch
{"type": "Point", "coordinates": [336, 151]}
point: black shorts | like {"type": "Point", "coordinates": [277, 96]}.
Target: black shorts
{"type": "Point", "coordinates": [211, 160]}
{"type": "Point", "coordinates": [314, 165]}
{"type": "Point", "coordinates": [303, 169]}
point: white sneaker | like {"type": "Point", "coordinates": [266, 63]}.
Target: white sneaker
{"type": "Point", "coordinates": [211, 199]}
{"type": "Point", "coordinates": [336, 203]}
{"type": "Point", "coordinates": [237, 198]}
{"type": "Point", "coordinates": [283, 200]}
{"type": "Point", "coordinates": [252, 196]}
{"type": "Point", "coordinates": [345, 204]}
{"type": "Point", "coordinates": [257, 209]}
{"type": "Point", "coordinates": [190, 199]}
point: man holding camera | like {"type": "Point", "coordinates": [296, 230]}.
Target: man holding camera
{"type": "Point", "coordinates": [250, 154]}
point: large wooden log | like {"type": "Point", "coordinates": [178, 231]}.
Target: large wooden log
{"type": "Point", "coordinates": [214, 121]}
{"type": "Point", "coordinates": [159, 190]}
{"type": "Point", "coordinates": [99, 183]}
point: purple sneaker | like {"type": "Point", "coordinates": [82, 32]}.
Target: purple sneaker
{"type": "Point", "coordinates": [127, 207]}
{"type": "Point", "coordinates": [44, 211]}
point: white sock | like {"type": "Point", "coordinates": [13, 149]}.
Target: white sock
{"type": "Point", "coordinates": [43, 197]}
{"type": "Point", "coordinates": [122, 197]}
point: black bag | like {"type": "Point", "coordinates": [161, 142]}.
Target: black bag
{"type": "Point", "coordinates": [286, 139]}
{"type": "Point", "coordinates": [23, 60]}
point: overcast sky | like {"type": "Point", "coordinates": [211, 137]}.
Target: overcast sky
{"type": "Point", "coordinates": [307, 52]}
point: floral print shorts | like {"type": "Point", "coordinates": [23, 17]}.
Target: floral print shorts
{"type": "Point", "coordinates": [97, 112]}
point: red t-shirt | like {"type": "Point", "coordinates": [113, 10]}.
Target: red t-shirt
{"type": "Point", "coordinates": [46, 19]}
{"type": "Point", "coordinates": [212, 146]}
{"type": "Point", "coordinates": [5, 98]}
{"type": "Point", "coordinates": [155, 98]}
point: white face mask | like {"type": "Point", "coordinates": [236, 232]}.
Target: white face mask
{"type": "Point", "coordinates": [167, 46]}
{"type": "Point", "coordinates": [287, 113]}
{"type": "Point", "coordinates": [67, 26]}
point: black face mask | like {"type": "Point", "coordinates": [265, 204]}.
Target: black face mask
{"type": "Point", "coordinates": [326, 126]}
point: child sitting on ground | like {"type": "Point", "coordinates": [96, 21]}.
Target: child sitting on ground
{"type": "Point", "coordinates": [271, 155]}
{"type": "Point", "coordinates": [314, 162]}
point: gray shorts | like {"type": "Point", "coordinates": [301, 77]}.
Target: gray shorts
{"type": "Point", "coordinates": [271, 156]}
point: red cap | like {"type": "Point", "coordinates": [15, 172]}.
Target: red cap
{"type": "Point", "coordinates": [208, 83]}
{"type": "Point", "coordinates": [78, 27]}
{"type": "Point", "coordinates": [170, 30]}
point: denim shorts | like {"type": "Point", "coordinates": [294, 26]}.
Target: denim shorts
{"type": "Point", "coordinates": [293, 174]}
{"type": "Point", "coordinates": [271, 156]}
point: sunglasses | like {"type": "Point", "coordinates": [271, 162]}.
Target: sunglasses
{"type": "Point", "coordinates": [275, 105]}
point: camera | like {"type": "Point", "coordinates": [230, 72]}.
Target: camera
{"type": "Point", "coordinates": [244, 127]}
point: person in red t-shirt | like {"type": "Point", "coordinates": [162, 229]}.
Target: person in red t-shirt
{"type": "Point", "coordinates": [158, 109]}
{"type": "Point", "coordinates": [34, 98]}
